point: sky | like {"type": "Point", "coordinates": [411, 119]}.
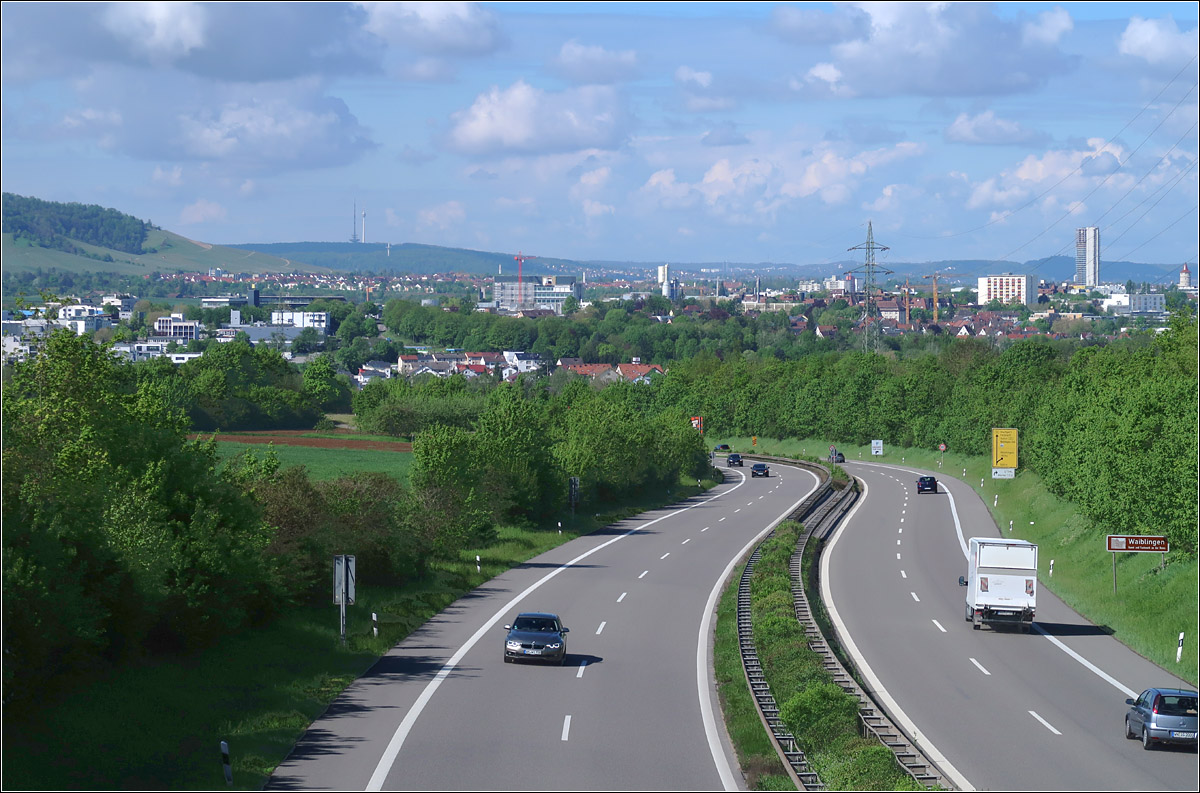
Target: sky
{"type": "Point", "coordinates": [675, 132]}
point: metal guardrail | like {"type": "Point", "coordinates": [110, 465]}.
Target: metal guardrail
{"type": "Point", "coordinates": [820, 512]}
{"type": "Point", "coordinates": [784, 742]}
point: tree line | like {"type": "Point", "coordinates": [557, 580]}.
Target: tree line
{"type": "Point", "coordinates": [1111, 428]}
{"type": "Point", "coordinates": [123, 538]}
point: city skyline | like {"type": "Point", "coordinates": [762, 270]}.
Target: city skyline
{"type": "Point", "coordinates": [639, 131]}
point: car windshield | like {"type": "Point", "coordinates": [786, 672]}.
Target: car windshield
{"type": "Point", "coordinates": [535, 624]}
{"type": "Point", "coordinates": [1176, 705]}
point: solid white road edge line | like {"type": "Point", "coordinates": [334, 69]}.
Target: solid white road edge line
{"type": "Point", "coordinates": [893, 707]}
{"type": "Point", "coordinates": [390, 754]}
{"type": "Point", "coordinates": [728, 781]}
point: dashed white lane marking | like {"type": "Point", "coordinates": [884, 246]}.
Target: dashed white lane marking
{"type": "Point", "coordinates": [986, 672]}
{"type": "Point", "coordinates": [1045, 723]}
{"type": "Point", "coordinates": [897, 542]}
{"type": "Point", "coordinates": [897, 555]}
{"type": "Point", "coordinates": [706, 528]}
{"type": "Point", "coordinates": [939, 626]}
{"type": "Point", "coordinates": [914, 596]}
{"type": "Point", "coordinates": [623, 594]}
{"type": "Point", "coordinates": [582, 666]}
{"type": "Point", "coordinates": [566, 727]}
{"type": "Point", "coordinates": [722, 519]}
{"type": "Point", "coordinates": [903, 574]}
{"type": "Point", "coordinates": [600, 628]}
{"type": "Point", "coordinates": [685, 542]}
{"type": "Point", "coordinates": [739, 509]}
{"type": "Point", "coordinates": [664, 556]}
{"type": "Point", "coordinates": [643, 575]}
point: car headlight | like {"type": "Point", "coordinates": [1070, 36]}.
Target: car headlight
{"type": "Point", "coordinates": [554, 646]}
{"type": "Point", "coordinates": [512, 645]}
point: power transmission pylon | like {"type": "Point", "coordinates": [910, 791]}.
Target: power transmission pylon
{"type": "Point", "coordinates": [870, 318]}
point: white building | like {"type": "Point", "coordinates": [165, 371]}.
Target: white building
{"type": "Point", "coordinates": [1148, 304]}
{"type": "Point", "coordinates": [302, 319]}
{"type": "Point", "coordinates": [176, 327]}
{"type": "Point", "coordinates": [1087, 256]}
{"type": "Point", "coordinates": [1007, 288]}
{"type": "Point", "coordinates": [535, 291]}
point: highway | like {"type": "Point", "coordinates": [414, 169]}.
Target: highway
{"type": "Point", "coordinates": [1002, 710]}
{"type": "Point", "coordinates": [633, 707]}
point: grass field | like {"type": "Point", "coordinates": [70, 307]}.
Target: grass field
{"type": "Point", "coordinates": [323, 464]}
{"type": "Point", "coordinates": [1150, 608]}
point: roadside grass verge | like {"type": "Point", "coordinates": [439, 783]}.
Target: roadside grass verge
{"type": "Point", "coordinates": [822, 717]}
{"type": "Point", "coordinates": [323, 464]}
{"type": "Point", "coordinates": [756, 754]}
{"type": "Point", "coordinates": [1151, 606]}
{"type": "Point", "coordinates": [159, 724]}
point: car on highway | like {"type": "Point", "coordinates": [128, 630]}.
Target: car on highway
{"type": "Point", "coordinates": [759, 469]}
{"type": "Point", "coordinates": [839, 458]}
{"type": "Point", "coordinates": [721, 447]}
{"type": "Point", "coordinates": [926, 484]}
{"type": "Point", "coordinates": [537, 636]}
{"type": "Point", "coordinates": [734, 459]}
{"type": "Point", "coordinates": [1162, 715]}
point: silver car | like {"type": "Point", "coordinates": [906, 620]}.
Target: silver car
{"type": "Point", "coordinates": [1162, 715]}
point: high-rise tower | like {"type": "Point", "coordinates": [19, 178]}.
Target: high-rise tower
{"type": "Point", "coordinates": [1087, 256]}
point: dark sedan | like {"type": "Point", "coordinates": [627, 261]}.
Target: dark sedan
{"type": "Point", "coordinates": [537, 636]}
{"type": "Point", "coordinates": [759, 469]}
{"type": "Point", "coordinates": [734, 459]}
{"type": "Point", "coordinates": [926, 484]}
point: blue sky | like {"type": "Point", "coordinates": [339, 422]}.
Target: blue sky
{"type": "Point", "coordinates": [682, 132]}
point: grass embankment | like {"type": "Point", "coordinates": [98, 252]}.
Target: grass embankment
{"type": "Point", "coordinates": [1151, 606]}
{"type": "Point", "coordinates": [323, 464]}
{"type": "Point", "coordinates": [756, 754]}
{"type": "Point", "coordinates": [158, 725]}
{"type": "Point", "coordinates": [822, 717]}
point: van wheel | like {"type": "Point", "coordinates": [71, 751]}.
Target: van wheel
{"type": "Point", "coordinates": [969, 615]}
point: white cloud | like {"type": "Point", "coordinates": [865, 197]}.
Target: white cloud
{"type": "Point", "coordinates": [171, 178]}
{"type": "Point", "coordinates": [1158, 41]}
{"type": "Point", "coordinates": [441, 217]}
{"type": "Point", "coordinates": [686, 74]}
{"type": "Point", "coordinates": [891, 198]}
{"type": "Point", "coordinates": [524, 119]}
{"type": "Point", "coordinates": [202, 211]}
{"type": "Point", "coordinates": [986, 128]}
{"type": "Point", "coordinates": [437, 27]}
{"type": "Point", "coordinates": [936, 49]}
{"type": "Point", "coordinates": [591, 64]}
{"type": "Point", "coordinates": [818, 26]}
{"type": "Point", "coordinates": [595, 209]}
{"type": "Point", "coordinates": [1049, 27]}
{"type": "Point", "coordinates": [161, 31]}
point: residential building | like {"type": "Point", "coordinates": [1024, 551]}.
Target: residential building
{"type": "Point", "coordinates": [1007, 288]}
{"type": "Point", "coordinates": [1087, 256]}
{"type": "Point", "coordinates": [1148, 304]}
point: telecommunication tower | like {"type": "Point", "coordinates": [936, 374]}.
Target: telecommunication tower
{"type": "Point", "coordinates": [870, 318]}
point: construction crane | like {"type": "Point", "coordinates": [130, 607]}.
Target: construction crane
{"type": "Point", "coordinates": [521, 258]}
{"type": "Point", "coordinates": [935, 295]}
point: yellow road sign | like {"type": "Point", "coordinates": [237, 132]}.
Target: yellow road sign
{"type": "Point", "coordinates": [1004, 448]}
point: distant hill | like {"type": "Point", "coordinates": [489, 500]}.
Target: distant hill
{"type": "Point", "coordinates": [90, 238]}
{"type": "Point", "coordinates": [78, 238]}
{"type": "Point", "coordinates": [408, 257]}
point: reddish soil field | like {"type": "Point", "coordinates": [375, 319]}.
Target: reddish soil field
{"type": "Point", "coordinates": [293, 438]}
